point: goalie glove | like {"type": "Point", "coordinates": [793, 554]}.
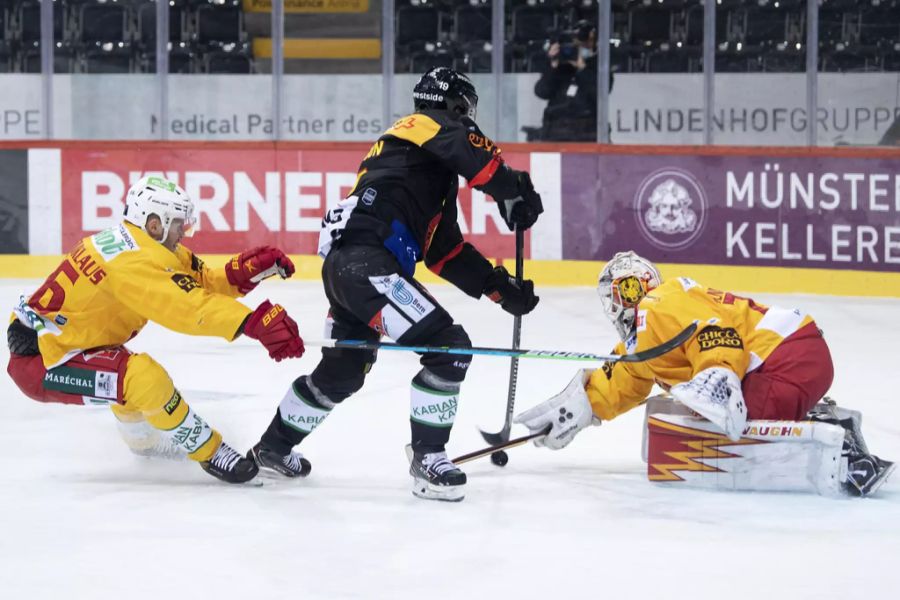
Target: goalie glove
{"type": "Point", "coordinates": [566, 413]}
{"type": "Point", "coordinates": [715, 394]}
{"type": "Point", "coordinates": [271, 325]}
{"type": "Point", "coordinates": [248, 268]}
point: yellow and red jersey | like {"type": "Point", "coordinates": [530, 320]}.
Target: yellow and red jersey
{"type": "Point", "coordinates": [733, 332]}
{"type": "Point", "coordinates": [112, 283]}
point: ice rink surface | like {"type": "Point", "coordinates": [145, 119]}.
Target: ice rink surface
{"type": "Point", "coordinates": [81, 517]}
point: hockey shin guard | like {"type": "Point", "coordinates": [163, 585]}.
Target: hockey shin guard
{"type": "Point", "coordinates": [302, 409]}
{"type": "Point", "coordinates": [432, 410]}
{"type": "Point", "coordinates": [180, 426]}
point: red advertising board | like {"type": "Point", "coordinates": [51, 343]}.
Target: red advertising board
{"type": "Point", "coordinates": [246, 197]}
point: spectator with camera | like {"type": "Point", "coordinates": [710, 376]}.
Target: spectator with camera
{"type": "Point", "coordinates": [569, 84]}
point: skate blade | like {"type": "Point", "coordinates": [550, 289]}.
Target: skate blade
{"type": "Point", "coordinates": [274, 476]}
{"type": "Point", "coordinates": [881, 479]}
{"type": "Point", "coordinates": [444, 493]}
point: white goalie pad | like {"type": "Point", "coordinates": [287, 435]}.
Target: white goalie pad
{"type": "Point", "coordinates": [783, 456]}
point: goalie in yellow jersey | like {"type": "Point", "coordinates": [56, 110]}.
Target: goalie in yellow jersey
{"type": "Point", "coordinates": [746, 361]}
{"type": "Point", "coordinates": [67, 339]}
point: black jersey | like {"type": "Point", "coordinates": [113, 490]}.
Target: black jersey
{"type": "Point", "coordinates": [405, 196]}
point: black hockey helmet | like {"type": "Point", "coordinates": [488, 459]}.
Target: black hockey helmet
{"type": "Point", "coordinates": [446, 89]}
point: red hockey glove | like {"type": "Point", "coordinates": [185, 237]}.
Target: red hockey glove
{"type": "Point", "coordinates": [248, 268]}
{"type": "Point", "coordinates": [271, 325]}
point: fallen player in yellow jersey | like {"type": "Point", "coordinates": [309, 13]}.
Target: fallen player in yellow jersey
{"type": "Point", "coordinates": [67, 339]}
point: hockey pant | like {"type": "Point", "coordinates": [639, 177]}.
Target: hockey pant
{"type": "Point", "coordinates": [792, 379]}
{"type": "Point", "coordinates": [136, 387]}
{"type": "Point", "coordinates": [370, 298]}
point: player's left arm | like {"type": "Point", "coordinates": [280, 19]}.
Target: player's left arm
{"type": "Point", "coordinates": [212, 279]}
{"type": "Point", "coordinates": [242, 273]}
{"type": "Point", "coordinates": [449, 256]}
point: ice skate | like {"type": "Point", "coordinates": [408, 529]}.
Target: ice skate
{"type": "Point", "coordinates": [866, 474]}
{"type": "Point", "coordinates": [435, 477]}
{"type": "Point", "coordinates": [271, 462]}
{"type": "Point", "coordinates": [229, 466]}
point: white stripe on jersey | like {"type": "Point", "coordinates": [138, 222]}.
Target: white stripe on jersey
{"type": "Point", "coordinates": [783, 321]}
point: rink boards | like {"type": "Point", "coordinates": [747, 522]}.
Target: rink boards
{"type": "Point", "coordinates": [751, 219]}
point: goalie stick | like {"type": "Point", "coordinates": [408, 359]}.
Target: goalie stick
{"type": "Point", "coordinates": [503, 435]}
{"type": "Point", "coordinates": [641, 356]}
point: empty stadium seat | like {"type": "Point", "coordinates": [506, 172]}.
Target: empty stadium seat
{"type": "Point", "coordinates": [472, 23]}
{"type": "Point", "coordinates": [415, 24]}
{"type": "Point", "coordinates": [146, 20]}
{"type": "Point", "coordinates": [832, 27]}
{"type": "Point", "coordinates": [879, 26]}
{"type": "Point", "coordinates": [649, 26]}
{"type": "Point", "coordinates": [764, 26]}
{"type": "Point", "coordinates": [28, 17]}
{"type": "Point", "coordinates": [216, 25]}
{"type": "Point", "coordinates": [99, 23]}
{"type": "Point", "coordinates": [532, 23]}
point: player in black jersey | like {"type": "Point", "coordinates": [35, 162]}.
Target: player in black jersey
{"type": "Point", "coordinates": [402, 210]}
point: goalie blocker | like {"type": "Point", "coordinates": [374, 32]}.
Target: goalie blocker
{"type": "Point", "coordinates": [782, 456]}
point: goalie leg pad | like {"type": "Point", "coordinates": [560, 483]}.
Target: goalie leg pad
{"type": "Point", "coordinates": [796, 456]}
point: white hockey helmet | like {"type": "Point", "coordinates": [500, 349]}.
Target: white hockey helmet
{"type": "Point", "coordinates": [624, 282]}
{"type": "Point", "coordinates": [157, 196]}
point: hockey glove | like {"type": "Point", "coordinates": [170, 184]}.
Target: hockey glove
{"type": "Point", "coordinates": [248, 268]}
{"type": "Point", "coordinates": [522, 210]}
{"type": "Point", "coordinates": [503, 289]}
{"type": "Point", "coordinates": [271, 325]}
{"type": "Point", "coordinates": [566, 413]}
{"type": "Point", "coordinates": [715, 394]}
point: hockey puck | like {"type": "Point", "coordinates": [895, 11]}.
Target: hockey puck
{"type": "Point", "coordinates": [500, 458]}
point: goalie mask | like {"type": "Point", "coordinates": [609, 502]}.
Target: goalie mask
{"type": "Point", "coordinates": [165, 199]}
{"type": "Point", "coordinates": [445, 89]}
{"type": "Point", "coordinates": [624, 282]}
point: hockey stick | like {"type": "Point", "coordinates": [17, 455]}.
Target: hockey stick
{"type": "Point", "coordinates": [490, 450]}
{"type": "Point", "coordinates": [502, 436]}
{"type": "Point", "coordinates": [648, 354]}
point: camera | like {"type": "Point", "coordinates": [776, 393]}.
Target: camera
{"type": "Point", "coordinates": [568, 50]}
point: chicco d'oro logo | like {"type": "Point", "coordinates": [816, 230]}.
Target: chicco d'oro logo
{"type": "Point", "coordinates": [713, 336]}
{"type": "Point", "coordinates": [670, 208]}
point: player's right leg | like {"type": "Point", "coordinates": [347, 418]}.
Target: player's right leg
{"type": "Point", "coordinates": [149, 410]}
{"type": "Point", "coordinates": [311, 398]}
{"type": "Point", "coordinates": [149, 389]}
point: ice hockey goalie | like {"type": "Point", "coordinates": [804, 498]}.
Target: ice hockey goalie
{"type": "Point", "coordinates": [745, 407]}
